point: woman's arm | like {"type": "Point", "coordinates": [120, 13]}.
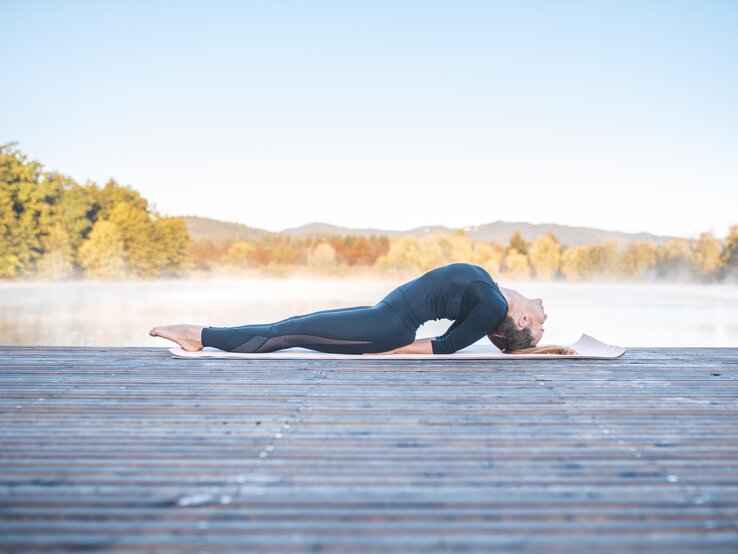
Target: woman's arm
{"type": "Point", "coordinates": [420, 346]}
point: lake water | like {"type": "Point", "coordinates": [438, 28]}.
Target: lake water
{"type": "Point", "coordinates": [120, 314]}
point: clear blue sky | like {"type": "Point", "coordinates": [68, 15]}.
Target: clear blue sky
{"type": "Point", "coordinates": [618, 115]}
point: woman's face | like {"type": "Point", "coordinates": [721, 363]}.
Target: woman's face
{"type": "Point", "coordinates": [537, 317]}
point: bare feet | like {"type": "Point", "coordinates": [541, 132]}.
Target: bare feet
{"type": "Point", "coordinates": [186, 336]}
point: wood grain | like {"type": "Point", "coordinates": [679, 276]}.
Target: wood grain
{"type": "Point", "coordinates": [131, 450]}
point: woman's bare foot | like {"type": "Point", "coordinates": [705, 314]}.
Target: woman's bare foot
{"type": "Point", "coordinates": [186, 336]}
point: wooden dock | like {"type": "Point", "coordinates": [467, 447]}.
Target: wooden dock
{"type": "Point", "coordinates": [130, 450]}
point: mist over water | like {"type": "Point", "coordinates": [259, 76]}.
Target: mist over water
{"type": "Point", "coordinates": [85, 313]}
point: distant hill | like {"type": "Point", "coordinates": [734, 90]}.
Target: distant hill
{"type": "Point", "coordinates": [203, 227]}
{"type": "Point", "coordinates": [500, 231]}
{"type": "Point", "coordinates": [326, 229]}
{"type": "Point", "coordinates": [566, 235]}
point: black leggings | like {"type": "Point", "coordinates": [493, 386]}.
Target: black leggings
{"type": "Point", "coordinates": [353, 330]}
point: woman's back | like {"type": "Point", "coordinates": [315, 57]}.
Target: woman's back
{"type": "Point", "coordinates": [438, 293]}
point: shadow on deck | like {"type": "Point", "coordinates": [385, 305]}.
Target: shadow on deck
{"type": "Point", "coordinates": [128, 449]}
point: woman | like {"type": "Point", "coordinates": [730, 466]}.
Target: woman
{"type": "Point", "coordinates": [463, 292]}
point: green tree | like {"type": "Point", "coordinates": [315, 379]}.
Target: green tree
{"type": "Point", "coordinates": [23, 212]}
{"type": "Point", "coordinates": [175, 252]}
{"type": "Point", "coordinates": [77, 210]}
{"type": "Point", "coordinates": [103, 254]}
{"type": "Point", "coordinates": [57, 261]}
{"type": "Point", "coordinates": [518, 243]}
{"type": "Point", "coordinates": [138, 234]}
{"type": "Point", "coordinates": [112, 194]}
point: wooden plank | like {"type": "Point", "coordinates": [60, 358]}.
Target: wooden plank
{"type": "Point", "coordinates": [130, 450]}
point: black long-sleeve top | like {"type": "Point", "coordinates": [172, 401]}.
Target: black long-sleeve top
{"type": "Point", "coordinates": [463, 292]}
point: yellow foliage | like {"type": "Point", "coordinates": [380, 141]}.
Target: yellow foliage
{"type": "Point", "coordinates": [103, 254]}
{"type": "Point", "coordinates": [486, 255]}
{"type": "Point", "coordinates": [283, 254]}
{"type": "Point", "coordinates": [238, 254]}
{"type": "Point", "coordinates": [516, 265]}
{"type": "Point", "coordinates": [426, 253]}
{"type": "Point", "coordinates": [706, 254]}
{"type": "Point", "coordinates": [544, 255]}
{"type": "Point", "coordinates": [139, 239]}
{"type": "Point", "coordinates": [173, 246]}
{"type": "Point", "coordinates": [400, 255]}
{"type": "Point", "coordinates": [56, 262]}
{"type": "Point", "coordinates": [592, 260]}
{"type": "Point", "coordinates": [638, 258]}
{"type": "Point", "coordinates": [322, 257]}
{"type": "Point", "coordinates": [574, 263]}
{"type": "Point", "coordinates": [673, 249]}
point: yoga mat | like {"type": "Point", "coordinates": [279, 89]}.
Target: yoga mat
{"type": "Point", "coordinates": [586, 347]}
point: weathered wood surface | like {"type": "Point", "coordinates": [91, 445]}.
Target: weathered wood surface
{"type": "Point", "coordinates": [129, 450]}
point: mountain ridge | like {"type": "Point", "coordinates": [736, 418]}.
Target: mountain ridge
{"type": "Point", "coordinates": [500, 231]}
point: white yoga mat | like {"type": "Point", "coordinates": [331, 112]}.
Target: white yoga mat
{"type": "Point", "coordinates": [586, 347]}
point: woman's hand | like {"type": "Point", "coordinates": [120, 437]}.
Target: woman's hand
{"type": "Point", "coordinates": [553, 349]}
{"type": "Point", "coordinates": [395, 351]}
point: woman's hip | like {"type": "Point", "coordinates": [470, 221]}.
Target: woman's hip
{"type": "Point", "coordinates": [399, 304]}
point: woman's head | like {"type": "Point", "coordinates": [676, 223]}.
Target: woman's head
{"type": "Point", "coordinates": [523, 324]}
{"type": "Point", "coordinates": [508, 336]}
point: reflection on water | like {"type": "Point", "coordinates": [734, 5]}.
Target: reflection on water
{"type": "Point", "coordinates": [120, 314]}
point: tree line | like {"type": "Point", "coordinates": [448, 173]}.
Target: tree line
{"type": "Point", "coordinates": [54, 228]}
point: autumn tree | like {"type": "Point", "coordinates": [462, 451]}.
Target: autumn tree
{"type": "Point", "coordinates": [516, 265]}
{"type": "Point", "coordinates": [103, 255]}
{"type": "Point", "coordinates": [112, 194]}
{"type": "Point", "coordinates": [544, 256]}
{"type": "Point", "coordinates": [139, 239]}
{"type": "Point", "coordinates": [57, 261]}
{"type": "Point", "coordinates": [488, 255]}
{"type": "Point", "coordinates": [400, 255]}
{"type": "Point", "coordinates": [322, 257]}
{"type": "Point", "coordinates": [239, 254]}
{"type": "Point", "coordinates": [706, 255]}
{"type": "Point", "coordinates": [284, 254]}
{"type": "Point", "coordinates": [590, 261]}
{"type": "Point", "coordinates": [729, 254]}
{"type": "Point", "coordinates": [174, 246]}
{"type": "Point", "coordinates": [47, 218]}
{"type": "Point", "coordinates": [455, 247]}
{"type": "Point", "coordinates": [638, 258]}
{"type": "Point", "coordinates": [518, 243]}
{"type": "Point", "coordinates": [23, 211]}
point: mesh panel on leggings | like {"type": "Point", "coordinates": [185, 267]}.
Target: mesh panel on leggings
{"type": "Point", "coordinates": [251, 345]}
{"type": "Point", "coordinates": [288, 341]}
